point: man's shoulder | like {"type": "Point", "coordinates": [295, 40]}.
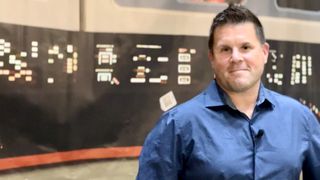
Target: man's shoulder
{"type": "Point", "coordinates": [191, 105]}
{"type": "Point", "coordinates": [285, 101]}
{"type": "Point", "coordinates": [186, 110]}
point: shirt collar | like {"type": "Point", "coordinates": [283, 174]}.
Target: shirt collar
{"type": "Point", "coordinates": [215, 96]}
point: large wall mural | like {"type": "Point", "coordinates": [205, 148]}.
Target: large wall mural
{"type": "Point", "coordinates": [65, 94]}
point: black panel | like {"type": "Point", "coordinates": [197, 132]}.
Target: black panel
{"type": "Point", "coordinates": [309, 5]}
{"type": "Point", "coordinates": [96, 104]}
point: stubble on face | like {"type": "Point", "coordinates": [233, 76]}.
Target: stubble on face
{"type": "Point", "coordinates": [238, 57]}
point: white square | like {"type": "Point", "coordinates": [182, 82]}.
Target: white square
{"type": "Point", "coordinates": [167, 101]}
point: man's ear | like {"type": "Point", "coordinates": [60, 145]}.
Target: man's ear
{"type": "Point", "coordinates": [210, 56]}
{"type": "Point", "coordinates": [211, 59]}
{"type": "Point", "coordinates": [265, 49]}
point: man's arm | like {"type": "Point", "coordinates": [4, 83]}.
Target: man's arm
{"type": "Point", "coordinates": [311, 165]}
{"type": "Point", "coordinates": [160, 156]}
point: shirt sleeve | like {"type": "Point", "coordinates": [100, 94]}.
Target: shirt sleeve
{"type": "Point", "coordinates": [161, 153]}
{"type": "Point", "coordinates": [311, 165]}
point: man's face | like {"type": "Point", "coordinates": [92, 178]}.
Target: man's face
{"type": "Point", "coordinates": [238, 57]}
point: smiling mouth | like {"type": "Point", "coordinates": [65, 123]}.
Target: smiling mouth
{"type": "Point", "coordinates": [237, 70]}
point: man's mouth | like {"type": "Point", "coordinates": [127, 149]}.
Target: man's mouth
{"type": "Point", "coordinates": [238, 70]}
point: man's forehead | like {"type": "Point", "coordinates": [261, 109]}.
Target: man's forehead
{"type": "Point", "coordinates": [231, 31]}
{"type": "Point", "coordinates": [232, 25]}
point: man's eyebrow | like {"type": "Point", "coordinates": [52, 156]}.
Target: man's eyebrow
{"type": "Point", "coordinates": [246, 43]}
{"type": "Point", "coordinates": [222, 45]}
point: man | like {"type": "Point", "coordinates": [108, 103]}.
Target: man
{"type": "Point", "coordinates": [236, 128]}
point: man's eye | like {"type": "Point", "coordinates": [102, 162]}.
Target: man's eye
{"type": "Point", "coordinates": [224, 49]}
{"type": "Point", "coordinates": [246, 47]}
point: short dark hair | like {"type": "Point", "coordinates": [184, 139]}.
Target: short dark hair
{"type": "Point", "coordinates": [235, 14]}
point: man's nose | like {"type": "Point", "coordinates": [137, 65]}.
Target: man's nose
{"type": "Point", "coordinates": [236, 55]}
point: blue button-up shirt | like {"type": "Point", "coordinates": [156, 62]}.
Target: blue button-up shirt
{"type": "Point", "coordinates": [208, 138]}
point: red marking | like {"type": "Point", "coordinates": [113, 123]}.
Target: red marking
{"type": "Point", "coordinates": [68, 156]}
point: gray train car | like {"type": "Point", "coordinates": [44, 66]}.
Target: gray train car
{"type": "Point", "coordinates": [87, 80]}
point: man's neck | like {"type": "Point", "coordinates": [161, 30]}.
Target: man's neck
{"type": "Point", "coordinates": [245, 101]}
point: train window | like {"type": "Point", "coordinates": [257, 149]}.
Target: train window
{"type": "Point", "coordinates": [309, 5]}
{"type": "Point", "coordinates": [202, 1]}
{"type": "Point", "coordinates": [213, 1]}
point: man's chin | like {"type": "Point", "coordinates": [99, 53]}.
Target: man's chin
{"type": "Point", "coordinates": [240, 86]}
